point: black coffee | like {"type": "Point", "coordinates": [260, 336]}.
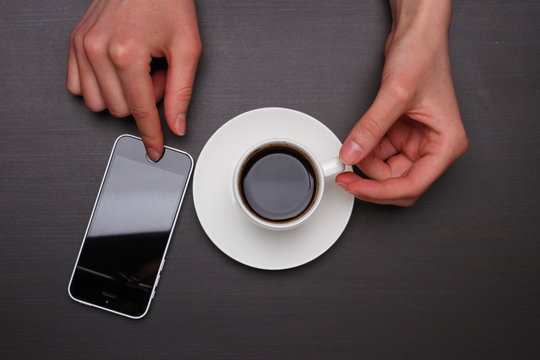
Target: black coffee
{"type": "Point", "coordinates": [278, 183]}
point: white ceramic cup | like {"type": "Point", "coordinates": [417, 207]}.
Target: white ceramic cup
{"type": "Point", "coordinates": [322, 170]}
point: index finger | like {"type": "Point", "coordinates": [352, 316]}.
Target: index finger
{"type": "Point", "coordinates": [134, 74]}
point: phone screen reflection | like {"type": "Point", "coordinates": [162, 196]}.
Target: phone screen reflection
{"type": "Point", "coordinates": [127, 236]}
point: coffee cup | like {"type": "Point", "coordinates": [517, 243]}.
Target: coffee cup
{"type": "Point", "coordinates": [278, 183]}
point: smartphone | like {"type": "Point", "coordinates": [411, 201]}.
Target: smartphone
{"type": "Point", "coordinates": [130, 228]}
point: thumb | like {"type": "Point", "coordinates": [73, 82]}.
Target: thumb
{"type": "Point", "coordinates": [179, 87]}
{"type": "Point", "coordinates": [390, 103]}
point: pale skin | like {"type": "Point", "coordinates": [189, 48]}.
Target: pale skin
{"type": "Point", "coordinates": [109, 59]}
{"type": "Point", "coordinates": [408, 137]}
{"type": "Point", "coordinates": [413, 130]}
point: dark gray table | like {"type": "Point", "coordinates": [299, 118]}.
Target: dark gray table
{"type": "Point", "coordinates": [456, 276]}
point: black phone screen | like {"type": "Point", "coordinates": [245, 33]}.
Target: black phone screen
{"type": "Point", "coordinates": [129, 229]}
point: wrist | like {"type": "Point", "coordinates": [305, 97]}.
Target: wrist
{"type": "Point", "coordinates": [426, 17]}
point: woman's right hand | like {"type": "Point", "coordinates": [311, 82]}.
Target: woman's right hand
{"type": "Point", "coordinates": [110, 51]}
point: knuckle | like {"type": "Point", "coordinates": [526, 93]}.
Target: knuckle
{"type": "Point", "coordinates": [189, 48]}
{"type": "Point", "coordinates": [183, 94]}
{"type": "Point", "coordinates": [415, 193]}
{"type": "Point", "coordinates": [94, 45]}
{"type": "Point", "coordinates": [76, 40]}
{"type": "Point", "coordinates": [140, 113]}
{"type": "Point", "coordinates": [94, 105]}
{"type": "Point", "coordinates": [119, 112]}
{"type": "Point", "coordinates": [399, 91]}
{"type": "Point", "coordinates": [459, 145]}
{"type": "Point", "coordinates": [122, 52]}
{"type": "Point", "coordinates": [463, 144]}
{"type": "Point", "coordinates": [193, 49]}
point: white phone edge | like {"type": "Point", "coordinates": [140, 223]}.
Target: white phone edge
{"type": "Point", "coordinates": [162, 262]}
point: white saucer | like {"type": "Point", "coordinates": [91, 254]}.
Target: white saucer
{"type": "Point", "coordinates": [229, 229]}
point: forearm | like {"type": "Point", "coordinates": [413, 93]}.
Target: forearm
{"type": "Point", "coordinates": [428, 17]}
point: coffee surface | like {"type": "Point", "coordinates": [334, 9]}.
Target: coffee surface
{"type": "Point", "coordinates": [278, 184]}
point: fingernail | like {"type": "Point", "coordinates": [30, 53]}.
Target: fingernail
{"type": "Point", "coordinates": [351, 152]}
{"type": "Point", "coordinates": [153, 154]}
{"type": "Point", "coordinates": [180, 124]}
{"type": "Point", "coordinates": [344, 186]}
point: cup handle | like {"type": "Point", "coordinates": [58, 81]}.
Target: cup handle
{"type": "Point", "coordinates": [332, 167]}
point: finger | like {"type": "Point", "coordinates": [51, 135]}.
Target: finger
{"type": "Point", "coordinates": [405, 189]}
{"type": "Point", "coordinates": [375, 168]}
{"type": "Point", "coordinates": [106, 75]}
{"type": "Point", "coordinates": [87, 84]}
{"type": "Point", "coordinates": [180, 77]}
{"type": "Point", "coordinates": [399, 165]}
{"type": "Point", "coordinates": [352, 182]}
{"type": "Point", "coordinates": [389, 104]}
{"type": "Point", "coordinates": [385, 149]}
{"type": "Point", "coordinates": [379, 169]}
{"type": "Point", "coordinates": [72, 77]}
{"type": "Point", "coordinates": [346, 178]}
{"type": "Point", "coordinates": [363, 188]}
{"type": "Point", "coordinates": [111, 88]}
{"type": "Point", "coordinates": [89, 87]}
{"type": "Point", "coordinates": [133, 67]}
{"type": "Point", "coordinates": [159, 81]}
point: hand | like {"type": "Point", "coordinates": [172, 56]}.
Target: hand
{"type": "Point", "coordinates": [413, 131]}
{"type": "Point", "coordinates": [110, 51]}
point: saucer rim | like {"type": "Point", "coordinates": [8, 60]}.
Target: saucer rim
{"type": "Point", "coordinates": [221, 244]}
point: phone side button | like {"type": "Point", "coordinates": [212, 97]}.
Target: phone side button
{"type": "Point", "coordinates": [157, 280]}
{"type": "Point", "coordinates": [153, 293]}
